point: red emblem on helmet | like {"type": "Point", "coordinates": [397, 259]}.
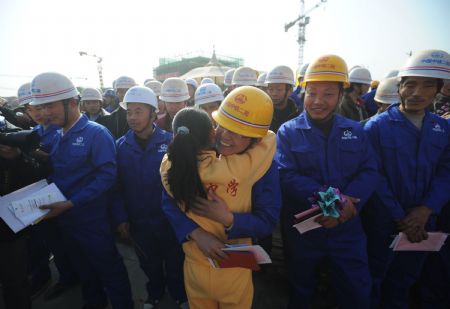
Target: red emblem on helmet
{"type": "Point", "coordinates": [240, 98]}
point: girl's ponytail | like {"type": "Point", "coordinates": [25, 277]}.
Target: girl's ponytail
{"type": "Point", "coordinates": [192, 129]}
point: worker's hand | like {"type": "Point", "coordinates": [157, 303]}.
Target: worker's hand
{"type": "Point", "coordinates": [327, 222]}
{"type": "Point", "coordinates": [56, 209]}
{"type": "Point", "coordinates": [9, 153]}
{"type": "Point", "coordinates": [349, 210]}
{"type": "Point", "coordinates": [209, 244]}
{"type": "Point", "coordinates": [413, 225]}
{"type": "Point", "coordinates": [40, 155]}
{"type": "Point", "coordinates": [124, 230]}
{"type": "Point", "coordinates": [215, 209]}
{"type": "Point", "coordinates": [416, 234]}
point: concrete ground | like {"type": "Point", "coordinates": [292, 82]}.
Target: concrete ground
{"type": "Point", "coordinates": [270, 288]}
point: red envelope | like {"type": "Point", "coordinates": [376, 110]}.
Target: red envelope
{"type": "Point", "coordinates": [244, 259]}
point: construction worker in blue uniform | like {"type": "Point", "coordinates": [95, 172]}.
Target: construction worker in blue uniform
{"type": "Point", "coordinates": [369, 99]}
{"type": "Point", "coordinates": [316, 150]}
{"type": "Point", "coordinates": [413, 147]}
{"type": "Point", "coordinates": [84, 169]}
{"type": "Point", "coordinates": [137, 202]}
{"type": "Point", "coordinates": [40, 242]}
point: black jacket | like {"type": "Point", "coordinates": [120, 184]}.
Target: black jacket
{"type": "Point", "coordinates": [349, 109]}
{"type": "Point", "coordinates": [441, 104]}
{"type": "Point", "coordinates": [116, 122]}
{"type": "Point", "coordinates": [281, 116]}
{"type": "Point", "coordinates": [12, 177]}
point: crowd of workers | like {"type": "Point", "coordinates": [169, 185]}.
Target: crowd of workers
{"type": "Point", "coordinates": [181, 169]}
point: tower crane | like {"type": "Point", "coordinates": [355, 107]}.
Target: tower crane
{"type": "Point", "coordinates": [303, 21]}
{"type": "Point", "coordinates": [99, 65]}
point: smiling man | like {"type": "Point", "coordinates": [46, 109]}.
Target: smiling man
{"type": "Point", "coordinates": [414, 152]}
{"type": "Point", "coordinates": [137, 204]}
{"type": "Point", "coordinates": [83, 159]}
{"type": "Point", "coordinates": [316, 150]}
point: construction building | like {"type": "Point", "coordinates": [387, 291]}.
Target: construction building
{"type": "Point", "coordinates": [174, 67]}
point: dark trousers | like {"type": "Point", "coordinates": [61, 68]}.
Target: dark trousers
{"type": "Point", "coordinates": [161, 258]}
{"type": "Point", "coordinates": [93, 252]}
{"type": "Point", "coordinates": [393, 273]}
{"type": "Point", "coordinates": [38, 256]}
{"type": "Point", "coordinates": [13, 274]}
{"type": "Point", "coordinates": [435, 279]}
{"type": "Point", "coordinates": [55, 244]}
{"type": "Point", "coordinates": [346, 252]}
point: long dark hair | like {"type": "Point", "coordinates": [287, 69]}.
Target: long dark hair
{"type": "Point", "coordinates": [192, 129]}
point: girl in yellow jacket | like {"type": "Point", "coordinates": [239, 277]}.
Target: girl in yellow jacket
{"type": "Point", "coordinates": [191, 168]}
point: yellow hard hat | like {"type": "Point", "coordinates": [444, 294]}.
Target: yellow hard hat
{"type": "Point", "coordinates": [327, 68]}
{"type": "Point", "coordinates": [374, 83]}
{"type": "Point", "coordinates": [246, 111]}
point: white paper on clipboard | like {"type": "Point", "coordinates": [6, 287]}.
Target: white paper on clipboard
{"type": "Point", "coordinates": [5, 201]}
{"type": "Point", "coordinates": [27, 209]}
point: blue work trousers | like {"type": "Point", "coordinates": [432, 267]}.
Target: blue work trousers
{"type": "Point", "coordinates": [93, 252]}
{"type": "Point", "coordinates": [347, 257]}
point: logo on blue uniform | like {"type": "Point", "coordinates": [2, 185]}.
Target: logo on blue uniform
{"type": "Point", "coordinates": [348, 135]}
{"type": "Point", "coordinates": [162, 148]}
{"type": "Point", "coordinates": [78, 141]}
{"type": "Point", "coordinates": [437, 128]}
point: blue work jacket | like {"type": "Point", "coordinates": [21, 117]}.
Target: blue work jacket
{"type": "Point", "coordinates": [415, 164]}
{"type": "Point", "coordinates": [369, 102]}
{"type": "Point", "coordinates": [266, 204]}
{"type": "Point", "coordinates": [139, 187]}
{"type": "Point", "coordinates": [296, 96]}
{"type": "Point", "coordinates": [308, 161]}
{"type": "Point", "coordinates": [84, 169]}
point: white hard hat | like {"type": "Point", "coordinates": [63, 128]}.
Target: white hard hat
{"type": "Point", "coordinates": [302, 70]}
{"type": "Point", "coordinates": [13, 104]}
{"type": "Point", "coordinates": [261, 82]}
{"type": "Point", "coordinates": [228, 78]}
{"type": "Point", "coordinates": [124, 82]}
{"type": "Point", "coordinates": [174, 90]}
{"type": "Point", "coordinates": [208, 93]}
{"type": "Point", "coordinates": [360, 75]}
{"type": "Point", "coordinates": [281, 75]}
{"type": "Point", "coordinates": [387, 91]}
{"type": "Point", "coordinates": [24, 94]}
{"type": "Point", "coordinates": [91, 94]}
{"type": "Point", "coordinates": [51, 87]}
{"type": "Point", "coordinates": [432, 63]}
{"type": "Point", "coordinates": [148, 80]}
{"type": "Point", "coordinates": [155, 86]}
{"type": "Point", "coordinates": [244, 76]}
{"type": "Point", "coordinates": [192, 82]}
{"type": "Point", "coordinates": [140, 94]}
{"type": "Point", "coordinates": [392, 73]}
{"type": "Point", "coordinates": [206, 80]}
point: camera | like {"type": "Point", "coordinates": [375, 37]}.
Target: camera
{"type": "Point", "coordinates": [26, 140]}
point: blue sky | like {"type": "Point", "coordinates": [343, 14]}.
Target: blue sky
{"type": "Point", "coordinates": [131, 36]}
